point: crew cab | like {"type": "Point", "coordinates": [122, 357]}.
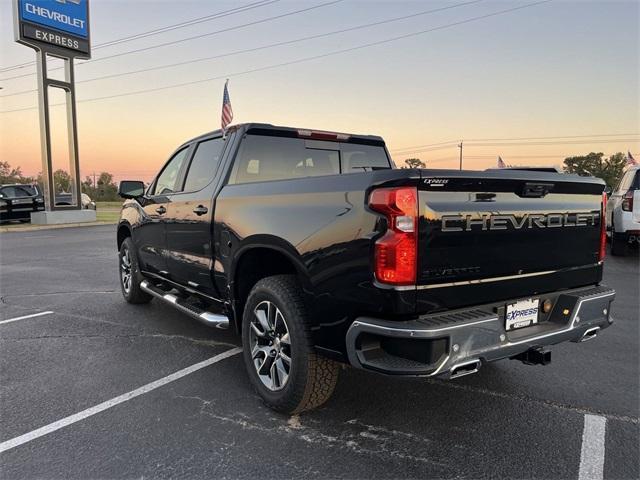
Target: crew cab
{"type": "Point", "coordinates": [318, 251]}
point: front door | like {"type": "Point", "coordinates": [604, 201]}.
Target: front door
{"type": "Point", "coordinates": [151, 235]}
{"type": "Point", "coordinates": [189, 220]}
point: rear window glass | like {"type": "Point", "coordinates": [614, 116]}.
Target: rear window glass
{"type": "Point", "coordinates": [362, 158]}
{"type": "Point", "coordinates": [264, 158]}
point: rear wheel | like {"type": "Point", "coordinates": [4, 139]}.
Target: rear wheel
{"type": "Point", "coordinates": [619, 242]}
{"type": "Point", "coordinates": [130, 276]}
{"type": "Point", "coordinates": [278, 351]}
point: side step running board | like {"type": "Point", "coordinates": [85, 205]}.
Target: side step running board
{"type": "Point", "coordinates": [208, 318]}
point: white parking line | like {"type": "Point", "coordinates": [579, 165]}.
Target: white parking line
{"type": "Point", "coordinates": [52, 427]}
{"type": "Point", "coordinates": [26, 316]}
{"type": "Point", "coordinates": [592, 454]}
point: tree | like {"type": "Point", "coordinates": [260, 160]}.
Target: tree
{"type": "Point", "coordinates": [594, 164]}
{"type": "Point", "coordinates": [9, 174]}
{"type": "Point", "coordinates": [61, 181]}
{"type": "Point", "coordinates": [414, 163]}
{"type": "Point", "coordinates": [106, 189]}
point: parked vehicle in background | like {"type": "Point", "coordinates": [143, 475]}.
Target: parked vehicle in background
{"type": "Point", "coordinates": [317, 251]}
{"type": "Point", "coordinates": [67, 199]}
{"type": "Point", "coordinates": [623, 212]}
{"type": "Point", "coordinates": [17, 201]}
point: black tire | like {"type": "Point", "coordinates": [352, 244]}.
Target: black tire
{"type": "Point", "coordinates": [311, 378]}
{"type": "Point", "coordinates": [619, 242]}
{"type": "Point", "coordinates": [131, 291]}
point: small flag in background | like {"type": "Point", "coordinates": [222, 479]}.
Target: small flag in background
{"type": "Point", "coordinates": [227, 111]}
{"type": "Point", "coordinates": [501, 163]}
{"type": "Point", "coordinates": [630, 159]}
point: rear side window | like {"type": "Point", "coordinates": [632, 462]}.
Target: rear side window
{"type": "Point", "coordinates": [166, 182]}
{"type": "Point", "coordinates": [635, 184]}
{"type": "Point", "coordinates": [204, 164]}
{"type": "Point", "coordinates": [264, 158]}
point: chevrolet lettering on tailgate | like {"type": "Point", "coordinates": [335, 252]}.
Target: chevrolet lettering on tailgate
{"type": "Point", "coordinates": [459, 223]}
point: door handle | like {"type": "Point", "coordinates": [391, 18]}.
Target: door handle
{"type": "Point", "coordinates": [200, 210]}
{"type": "Point", "coordinates": [161, 210]}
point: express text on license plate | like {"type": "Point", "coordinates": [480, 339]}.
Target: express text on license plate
{"type": "Point", "coordinates": [522, 313]}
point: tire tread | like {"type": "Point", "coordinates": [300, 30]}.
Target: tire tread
{"type": "Point", "coordinates": [321, 373]}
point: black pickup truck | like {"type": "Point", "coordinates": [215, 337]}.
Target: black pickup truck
{"type": "Point", "coordinates": [317, 251]}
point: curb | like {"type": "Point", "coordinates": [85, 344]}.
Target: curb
{"type": "Point", "coordinates": [32, 228]}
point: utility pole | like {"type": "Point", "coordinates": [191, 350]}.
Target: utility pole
{"type": "Point", "coordinates": [460, 147]}
{"type": "Point", "coordinates": [94, 180]}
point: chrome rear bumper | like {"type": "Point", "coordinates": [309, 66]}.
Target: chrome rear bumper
{"type": "Point", "coordinates": [457, 343]}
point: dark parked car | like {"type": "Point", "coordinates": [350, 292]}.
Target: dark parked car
{"type": "Point", "coordinates": [316, 251]}
{"type": "Point", "coordinates": [17, 201]}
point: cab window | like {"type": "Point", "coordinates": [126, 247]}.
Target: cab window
{"type": "Point", "coordinates": [204, 164]}
{"type": "Point", "coordinates": [264, 158]}
{"type": "Point", "coordinates": [166, 182]}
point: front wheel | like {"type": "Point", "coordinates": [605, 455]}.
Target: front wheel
{"type": "Point", "coordinates": [130, 276]}
{"type": "Point", "coordinates": [278, 350]}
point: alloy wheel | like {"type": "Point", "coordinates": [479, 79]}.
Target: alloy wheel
{"type": "Point", "coordinates": [125, 270]}
{"type": "Point", "coordinates": [270, 345]}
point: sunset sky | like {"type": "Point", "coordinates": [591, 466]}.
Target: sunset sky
{"type": "Point", "coordinates": [559, 77]}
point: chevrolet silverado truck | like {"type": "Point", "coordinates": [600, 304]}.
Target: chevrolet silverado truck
{"type": "Point", "coordinates": [318, 252]}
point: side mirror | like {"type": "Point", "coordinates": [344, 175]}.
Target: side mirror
{"type": "Point", "coordinates": [607, 190]}
{"type": "Point", "coordinates": [131, 189]}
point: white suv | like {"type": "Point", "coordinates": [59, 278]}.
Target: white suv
{"type": "Point", "coordinates": [623, 212]}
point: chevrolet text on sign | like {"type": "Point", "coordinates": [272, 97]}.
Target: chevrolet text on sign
{"type": "Point", "coordinates": [62, 24]}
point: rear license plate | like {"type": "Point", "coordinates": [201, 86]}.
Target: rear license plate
{"type": "Point", "coordinates": [523, 313]}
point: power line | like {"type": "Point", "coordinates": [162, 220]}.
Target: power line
{"type": "Point", "coordinates": [148, 33]}
{"type": "Point", "coordinates": [518, 144]}
{"type": "Point", "coordinates": [195, 37]}
{"type": "Point", "coordinates": [188, 23]}
{"type": "Point", "coordinates": [263, 47]}
{"type": "Point", "coordinates": [568, 142]}
{"type": "Point", "coordinates": [306, 59]}
{"type": "Point", "coordinates": [518, 138]}
{"type": "Point", "coordinates": [562, 136]}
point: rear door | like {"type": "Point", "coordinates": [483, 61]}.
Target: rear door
{"type": "Point", "coordinates": [189, 218]}
{"type": "Point", "coordinates": [150, 235]}
{"type": "Point", "coordinates": [499, 230]}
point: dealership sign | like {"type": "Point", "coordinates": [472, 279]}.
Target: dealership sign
{"type": "Point", "coordinates": [59, 26]}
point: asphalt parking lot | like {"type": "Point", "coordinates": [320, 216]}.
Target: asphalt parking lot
{"type": "Point", "coordinates": [87, 390]}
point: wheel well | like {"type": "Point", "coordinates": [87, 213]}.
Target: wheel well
{"type": "Point", "coordinates": [123, 232]}
{"type": "Point", "coordinates": [254, 265]}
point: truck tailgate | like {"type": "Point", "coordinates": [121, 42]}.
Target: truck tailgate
{"type": "Point", "coordinates": [495, 226]}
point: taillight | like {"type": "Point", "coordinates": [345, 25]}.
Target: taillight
{"type": "Point", "coordinates": [603, 227]}
{"type": "Point", "coordinates": [627, 201]}
{"type": "Point", "coordinates": [396, 252]}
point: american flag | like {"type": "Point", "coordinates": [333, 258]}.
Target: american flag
{"type": "Point", "coordinates": [630, 159]}
{"type": "Point", "coordinates": [227, 111]}
{"type": "Point", "coordinates": [501, 163]}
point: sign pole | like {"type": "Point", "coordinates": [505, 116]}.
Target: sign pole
{"type": "Point", "coordinates": [72, 129]}
{"type": "Point", "coordinates": [57, 29]}
{"type": "Point", "coordinates": [45, 134]}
